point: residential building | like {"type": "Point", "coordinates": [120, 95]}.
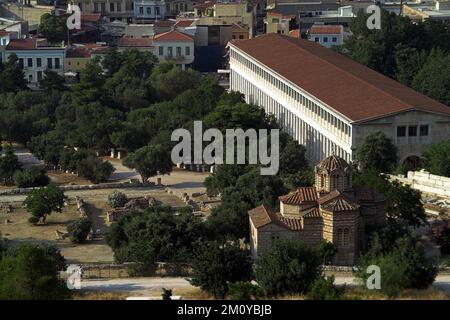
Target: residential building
{"type": "Point", "coordinates": [424, 10]}
{"type": "Point", "coordinates": [141, 44]}
{"type": "Point", "coordinates": [149, 10]}
{"type": "Point", "coordinates": [239, 31]}
{"type": "Point", "coordinates": [121, 10]}
{"type": "Point", "coordinates": [177, 7]}
{"type": "Point", "coordinates": [329, 102]}
{"type": "Point", "coordinates": [35, 57]}
{"type": "Point", "coordinates": [78, 56]}
{"type": "Point", "coordinates": [283, 17]}
{"type": "Point", "coordinates": [327, 35]}
{"type": "Point", "coordinates": [174, 46]}
{"type": "Point", "coordinates": [225, 13]}
{"type": "Point", "coordinates": [278, 23]}
{"type": "Point", "coordinates": [332, 210]}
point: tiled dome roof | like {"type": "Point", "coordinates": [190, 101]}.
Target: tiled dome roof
{"type": "Point", "coordinates": [332, 163]}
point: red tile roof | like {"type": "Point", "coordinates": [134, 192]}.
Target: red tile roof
{"type": "Point", "coordinates": [22, 44]}
{"type": "Point", "coordinates": [173, 36]}
{"type": "Point", "coordinates": [78, 53]}
{"type": "Point", "coordinates": [294, 33]}
{"type": "Point", "coordinates": [301, 195]}
{"type": "Point", "coordinates": [164, 23]}
{"type": "Point", "coordinates": [262, 216]}
{"type": "Point", "coordinates": [184, 23]}
{"type": "Point", "coordinates": [134, 42]}
{"type": "Point", "coordinates": [348, 87]}
{"type": "Point", "coordinates": [338, 201]}
{"type": "Point", "coordinates": [204, 5]}
{"type": "Point", "coordinates": [326, 29]}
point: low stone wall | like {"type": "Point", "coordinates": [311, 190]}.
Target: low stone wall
{"type": "Point", "coordinates": [426, 182]}
{"type": "Point", "coordinates": [81, 187]}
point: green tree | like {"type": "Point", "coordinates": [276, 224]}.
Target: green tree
{"type": "Point", "coordinates": [324, 289]}
{"type": "Point", "coordinates": [79, 229]}
{"type": "Point", "coordinates": [376, 152]}
{"type": "Point", "coordinates": [12, 78]}
{"type": "Point", "coordinates": [404, 204]}
{"type": "Point", "coordinates": [31, 274]}
{"type": "Point", "coordinates": [52, 81]}
{"type": "Point", "coordinates": [287, 267]}
{"type": "Point", "coordinates": [150, 161]}
{"type": "Point", "coordinates": [403, 265]}
{"type": "Point", "coordinates": [155, 235]}
{"type": "Point", "coordinates": [33, 177]}
{"type": "Point", "coordinates": [433, 79]}
{"type": "Point", "coordinates": [436, 158]}
{"type": "Point", "coordinates": [244, 290]}
{"type": "Point", "coordinates": [53, 27]}
{"type": "Point", "coordinates": [327, 251]}
{"type": "Point", "coordinates": [217, 264]}
{"type": "Point", "coordinates": [117, 199]}
{"type": "Point", "coordinates": [42, 202]}
{"type": "Point", "coordinates": [9, 163]}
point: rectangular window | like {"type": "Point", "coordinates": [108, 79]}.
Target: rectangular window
{"type": "Point", "coordinates": [316, 39]}
{"type": "Point", "coordinates": [20, 63]}
{"type": "Point", "coordinates": [156, 11]}
{"type": "Point", "coordinates": [334, 39]}
{"type": "Point", "coordinates": [103, 7]}
{"type": "Point", "coordinates": [30, 62]}
{"type": "Point", "coordinates": [161, 51]}
{"type": "Point", "coordinates": [401, 131]}
{"type": "Point", "coordinates": [169, 51]}
{"type": "Point", "coordinates": [57, 63]}
{"type": "Point", "coordinates": [141, 10]}
{"type": "Point", "coordinates": [424, 130]}
{"type": "Point", "coordinates": [412, 131]}
{"type": "Point", "coordinates": [96, 7]}
{"type": "Point", "coordinates": [111, 7]}
{"type": "Point", "coordinates": [119, 7]}
{"type": "Point", "coordinates": [178, 51]}
{"type": "Point", "coordinates": [325, 39]}
{"type": "Point", "coordinates": [149, 10]}
{"type": "Point", "coordinates": [49, 63]}
{"type": "Point", "coordinates": [187, 51]}
{"type": "Point", "coordinates": [39, 62]}
{"type": "Point", "coordinates": [39, 75]}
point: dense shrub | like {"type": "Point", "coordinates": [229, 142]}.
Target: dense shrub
{"type": "Point", "coordinates": [34, 177]}
{"type": "Point", "coordinates": [287, 267]}
{"type": "Point", "coordinates": [117, 199]}
{"type": "Point", "coordinates": [79, 229]}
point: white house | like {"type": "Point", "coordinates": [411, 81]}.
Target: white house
{"type": "Point", "coordinates": [35, 57]}
{"type": "Point", "coordinates": [145, 10]}
{"type": "Point", "coordinates": [327, 35]}
{"type": "Point", "coordinates": [329, 102]}
{"type": "Point", "coordinates": [175, 46]}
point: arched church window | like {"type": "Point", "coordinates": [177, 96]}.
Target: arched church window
{"type": "Point", "coordinates": [322, 180]}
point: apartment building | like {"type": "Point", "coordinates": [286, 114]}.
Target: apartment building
{"type": "Point", "coordinates": [34, 57]}
{"type": "Point", "coordinates": [122, 10]}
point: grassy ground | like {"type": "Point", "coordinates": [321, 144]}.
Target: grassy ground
{"type": "Point", "coordinates": [18, 230]}
{"type": "Point", "coordinates": [59, 177]}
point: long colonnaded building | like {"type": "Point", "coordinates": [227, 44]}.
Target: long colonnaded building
{"type": "Point", "coordinates": [328, 102]}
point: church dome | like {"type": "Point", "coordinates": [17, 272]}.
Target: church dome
{"type": "Point", "coordinates": [333, 163]}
